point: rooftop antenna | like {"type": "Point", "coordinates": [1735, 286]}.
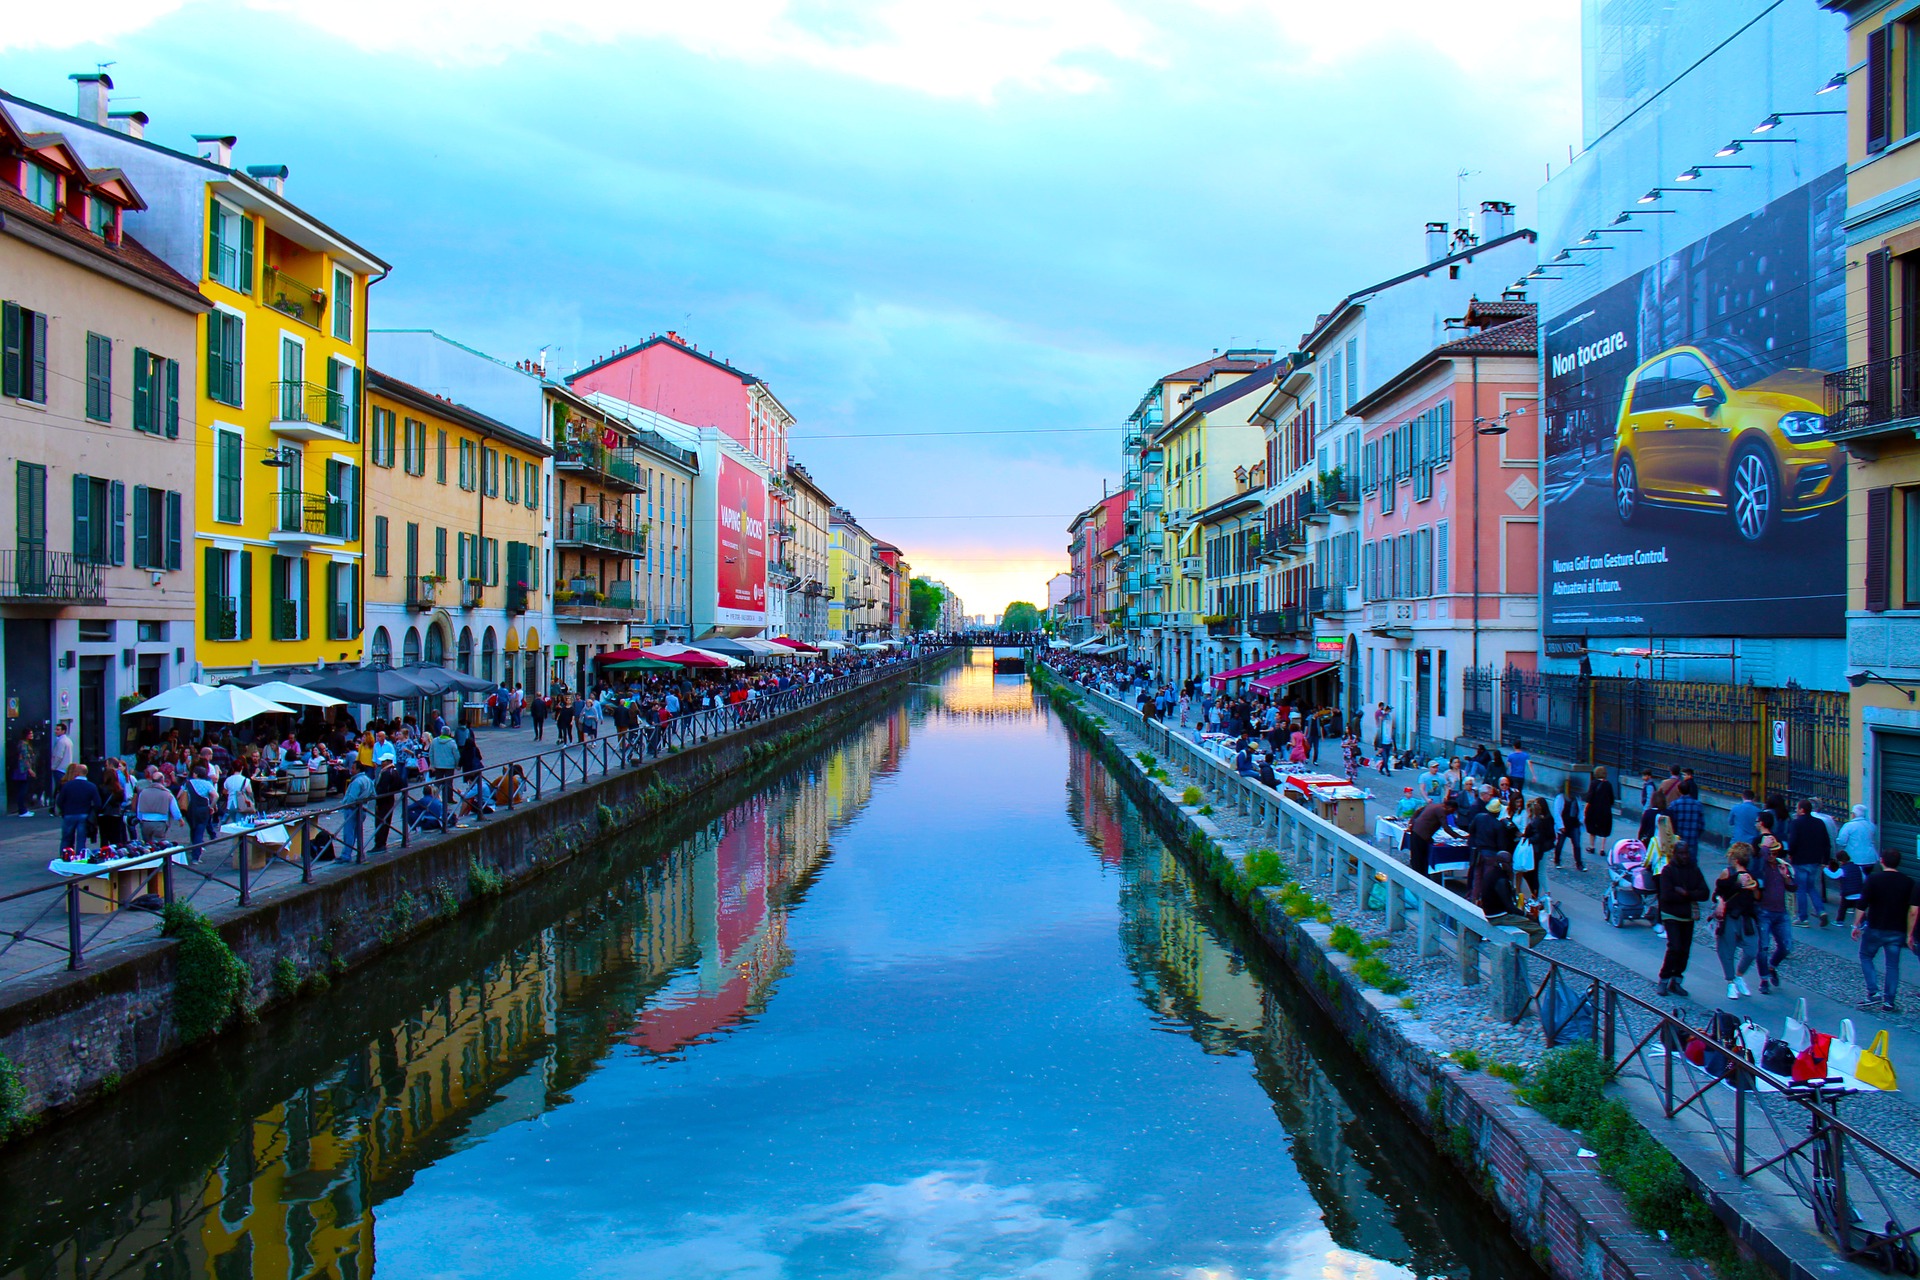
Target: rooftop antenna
{"type": "Point", "coordinates": [1460, 195]}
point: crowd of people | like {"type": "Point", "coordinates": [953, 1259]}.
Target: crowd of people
{"type": "Point", "coordinates": [1785, 867]}
{"type": "Point", "coordinates": [182, 788]}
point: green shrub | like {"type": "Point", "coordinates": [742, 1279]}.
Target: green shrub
{"type": "Point", "coordinates": [604, 813]}
{"type": "Point", "coordinates": [1205, 811]}
{"type": "Point", "coordinates": [13, 1098]}
{"type": "Point", "coordinates": [1566, 1085]}
{"type": "Point", "coordinates": [286, 978]}
{"type": "Point", "coordinates": [209, 980]}
{"type": "Point", "coordinates": [1262, 867]}
{"type": "Point", "coordinates": [1511, 1072]}
{"type": "Point", "coordinates": [445, 901]}
{"type": "Point", "coordinates": [1145, 758]}
{"type": "Point", "coordinates": [1469, 1059]}
{"type": "Point", "coordinates": [1190, 796]}
{"type": "Point", "coordinates": [1373, 971]}
{"type": "Point", "coordinates": [482, 880]}
{"type": "Point", "coordinates": [1345, 938]}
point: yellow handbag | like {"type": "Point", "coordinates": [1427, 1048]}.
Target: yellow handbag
{"type": "Point", "coordinates": [1875, 1068]}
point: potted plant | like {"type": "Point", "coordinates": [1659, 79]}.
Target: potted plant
{"type": "Point", "coordinates": [563, 596]}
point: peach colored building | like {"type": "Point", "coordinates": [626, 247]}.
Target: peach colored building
{"type": "Point", "coordinates": [1450, 519]}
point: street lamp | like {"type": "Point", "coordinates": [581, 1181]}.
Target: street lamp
{"type": "Point", "coordinates": [1658, 192]}
{"type": "Point", "coordinates": [1693, 174]}
{"type": "Point", "coordinates": [1774, 121]}
{"type": "Point", "coordinates": [1735, 147]}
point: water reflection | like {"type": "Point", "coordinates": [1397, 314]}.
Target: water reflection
{"type": "Point", "coordinates": [871, 1020]}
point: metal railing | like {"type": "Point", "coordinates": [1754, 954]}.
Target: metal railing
{"type": "Point", "coordinates": [283, 617]}
{"type": "Point", "coordinates": [223, 618]}
{"type": "Point", "coordinates": [591, 531]}
{"type": "Point", "coordinates": [585, 599]}
{"type": "Point", "coordinates": [1783, 1137]}
{"type": "Point", "coordinates": [1870, 398]}
{"type": "Point", "coordinates": [231, 869]}
{"type": "Point", "coordinates": [49, 577]}
{"type": "Point", "coordinates": [421, 589]}
{"type": "Point", "coordinates": [319, 515]}
{"type": "Point", "coordinates": [292, 297]}
{"type": "Point", "coordinates": [617, 465]}
{"type": "Point", "coordinates": [311, 403]}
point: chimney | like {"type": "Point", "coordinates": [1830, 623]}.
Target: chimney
{"type": "Point", "coordinates": [94, 88]}
{"type": "Point", "coordinates": [216, 148]}
{"type": "Point", "coordinates": [131, 123]}
{"type": "Point", "coordinates": [271, 176]}
{"type": "Point", "coordinates": [1436, 241]}
{"type": "Point", "coordinates": [1496, 219]}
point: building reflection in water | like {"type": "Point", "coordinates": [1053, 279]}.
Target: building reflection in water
{"type": "Point", "coordinates": [689, 946]}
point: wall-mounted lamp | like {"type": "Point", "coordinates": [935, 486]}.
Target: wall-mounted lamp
{"type": "Point", "coordinates": [1774, 121]}
{"type": "Point", "coordinates": [1693, 174]}
{"type": "Point", "coordinates": [1735, 147]}
{"type": "Point", "coordinates": [1658, 192]}
{"type": "Point", "coordinates": [1860, 679]}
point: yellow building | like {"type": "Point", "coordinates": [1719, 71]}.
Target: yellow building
{"type": "Point", "coordinates": [454, 536]}
{"type": "Point", "coordinates": [1878, 419]}
{"type": "Point", "coordinates": [855, 591]}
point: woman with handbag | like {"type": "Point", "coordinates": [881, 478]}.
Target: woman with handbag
{"type": "Point", "coordinates": [1736, 916]}
{"type": "Point", "coordinates": [1680, 889]}
{"type": "Point", "coordinates": [1599, 817]}
{"type": "Point", "coordinates": [1533, 844]}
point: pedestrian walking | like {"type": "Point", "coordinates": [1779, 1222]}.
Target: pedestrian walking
{"type": "Point", "coordinates": [1775, 943]}
{"type": "Point", "coordinates": [1809, 849]}
{"type": "Point", "coordinates": [1599, 816]}
{"type": "Point", "coordinates": [537, 710]}
{"type": "Point", "coordinates": [1736, 920]}
{"type": "Point", "coordinates": [1566, 813]}
{"type": "Point", "coordinates": [76, 801]}
{"type": "Point", "coordinates": [1886, 928]}
{"type": "Point", "coordinates": [353, 819]}
{"type": "Point", "coordinates": [1680, 889]}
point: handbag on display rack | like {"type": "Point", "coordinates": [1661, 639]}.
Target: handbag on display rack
{"type": "Point", "coordinates": [1843, 1053]}
{"type": "Point", "coordinates": [1796, 1033]}
{"type": "Point", "coordinates": [1875, 1067]}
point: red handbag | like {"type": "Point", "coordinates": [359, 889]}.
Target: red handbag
{"type": "Point", "coordinates": [1811, 1062]}
{"type": "Point", "coordinates": [1696, 1051]}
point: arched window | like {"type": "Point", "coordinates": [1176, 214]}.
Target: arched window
{"type": "Point", "coordinates": [410, 647]}
{"type": "Point", "coordinates": [380, 650]}
{"type": "Point", "coordinates": [489, 655]}
{"type": "Point", "coordinates": [436, 647]}
{"type": "Point", "coordinates": [465, 659]}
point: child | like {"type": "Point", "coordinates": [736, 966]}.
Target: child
{"type": "Point", "coordinates": [1852, 885]}
{"type": "Point", "coordinates": [1646, 790]}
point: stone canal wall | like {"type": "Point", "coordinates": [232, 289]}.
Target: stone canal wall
{"type": "Point", "coordinates": [1555, 1201]}
{"type": "Point", "coordinates": [73, 1036]}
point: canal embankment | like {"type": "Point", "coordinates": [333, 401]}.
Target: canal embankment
{"type": "Point", "coordinates": [1384, 996]}
{"type": "Point", "coordinates": [70, 1037]}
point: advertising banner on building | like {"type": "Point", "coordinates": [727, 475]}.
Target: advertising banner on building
{"type": "Point", "coordinates": [741, 575]}
{"type": "Point", "coordinates": [1690, 486]}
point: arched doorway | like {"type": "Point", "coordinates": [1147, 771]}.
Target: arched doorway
{"type": "Point", "coordinates": [436, 655]}
{"type": "Point", "coordinates": [380, 648]}
{"type": "Point", "coordinates": [534, 675]}
{"type": "Point", "coordinates": [512, 649]}
{"type": "Point", "coordinates": [463, 659]}
{"type": "Point", "coordinates": [410, 646]}
{"type": "Point", "coordinates": [489, 655]}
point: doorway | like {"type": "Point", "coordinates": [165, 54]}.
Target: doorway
{"type": "Point", "coordinates": [1422, 701]}
{"type": "Point", "coordinates": [93, 707]}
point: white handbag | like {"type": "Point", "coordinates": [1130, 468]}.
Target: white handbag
{"type": "Point", "coordinates": [1754, 1037]}
{"type": "Point", "coordinates": [1797, 1034]}
{"type": "Point", "coordinates": [1843, 1054]}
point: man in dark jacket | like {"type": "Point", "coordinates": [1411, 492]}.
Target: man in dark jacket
{"type": "Point", "coordinates": [387, 783]}
{"type": "Point", "coordinates": [1421, 830]}
{"type": "Point", "coordinates": [1809, 849]}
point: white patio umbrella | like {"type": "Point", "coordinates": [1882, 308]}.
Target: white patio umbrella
{"type": "Point", "coordinates": [292, 695]}
{"type": "Point", "coordinates": [222, 704]}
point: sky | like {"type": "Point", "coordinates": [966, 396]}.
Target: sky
{"type": "Point", "coordinates": [958, 239]}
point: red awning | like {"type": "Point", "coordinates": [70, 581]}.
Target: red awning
{"type": "Point", "coordinates": [624, 655]}
{"type": "Point", "coordinates": [800, 646]}
{"type": "Point", "coordinates": [1254, 668]}
{"type": "Point", "coordinates": [1302, 670]}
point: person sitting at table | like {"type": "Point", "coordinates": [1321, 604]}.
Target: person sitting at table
{"type": "Point", "coordinates": [154, 808]}
{"type": "Point", "coordinates": [75, 801]}
{"type": "Point", "coordinates": [383, 748]}
{"type": "Point", "coordinates": [1425, 826]}
{"type": "Point", "coordinates": [1243, 759]}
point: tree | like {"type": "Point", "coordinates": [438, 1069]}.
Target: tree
{"type": "Point", "coordinates": [1021, 615]}
{"type": "Point", "coordinates": [923, 613]}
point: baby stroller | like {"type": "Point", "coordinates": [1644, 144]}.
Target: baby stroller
{"type": "Point", "coordinates": [1630, 892]}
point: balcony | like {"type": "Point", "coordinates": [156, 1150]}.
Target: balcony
{"type": "Point", "coordinates": [308, 411]}
{"type": "Point", "coordinates": [1131, 476]}
{"type": "Point", "coordinates": [583, 601]}
{"type": "Point", "coordinates": [49, 577]}
{"type": "Point", "coordinates": [1222, 626]}
{"type": "Point", "coordinates": [1132, 440]}
{"type": "Point", "coordinates": [1312, 510]}
{"type": "Point", "coordinates": [1872, 401]}
{"type": "Point", "coordinates": [516, 597]}
{"type": "Point", "coordinates": [613, 468]}
{"type": "Point", "coordinates": [473, 594]}
{"type": "Point", "coordinates": [1192, 567]}
{"type": "Point", "coordinates": [1391, 617]}
{"type": "Point", "coordinates": [303, 519]}
{"type": "Point", "coordinates": [293, 297]}
{"type": "Point", "coordinates": [1340, 492]}
{"type": "Point", "coordinates": [1154, 460]}
{"type": "Point", "coordinates": [223, 618]}
{"type": "Point", "coordinates": [421, 589]}
{"type": "Point", "coordinates": [283, 620]}
{"type": "Point", "coordinates": [1157, 576]}
{"type": "Point", "coordinates": [1152, 498]}
{"type": "Point", "coordinates": [581, 528]}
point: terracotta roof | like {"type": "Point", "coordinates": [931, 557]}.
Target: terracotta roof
{"type": "Point", "coordinates": [1485, 311]}
{"type": "Point", "coordinates": [1219, 364]}
{"type": "Point", "coordinates": [1519, 337]}
{"type": "Point", "coordinates": [129, 253]}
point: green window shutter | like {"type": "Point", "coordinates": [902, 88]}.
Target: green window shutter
{"type": "Point", "coordinates": [306, 591]}
{"type": "Point", "coordinates": [10, 349]}
{"type": "Point", "coordinates": [173, 529]}
{"type": "Point", "coordinates": [37, 365]}
{"type": "Point", "coordinates": [358, 622]}
{"type": "Point", "coordinates": [173, 399]}
{"type": "Point", "coordinates": [358, 384]}
{"type": "Point", "coordinates": [143, 391]}
{"type": "Point", "coordinates": [213, 238]}
{"type": "Point", "coordinates": [246, 595]}
{"type": "Point", "coordinates": [117, 512]}
{"type": "Point", "coordinates": [333, 597]}
{"type": "Point", "coordinates": [143, 556]}
{"type": "Point", "coordinates": [279, 595]}
{"type": "Point", "coordinates": [216, 362]}
{"type": "Point", "coordinates": [212, 593]}
{"type": "Point", "coordinates": [246, 254]}
{"type": "Point", "coordinates": [379, 546]}
{"type": "Point", "coordinates": [82, 518]}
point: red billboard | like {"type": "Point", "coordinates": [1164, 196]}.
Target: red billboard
{"type": "Point", "coordinates": [741, 574]}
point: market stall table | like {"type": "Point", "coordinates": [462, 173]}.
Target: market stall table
{"type": "Point", "coordinates": [115, 883]}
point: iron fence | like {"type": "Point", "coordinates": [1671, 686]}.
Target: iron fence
{"type": "Point", "coordinates": [1479, 691]}
{"type": "Point", "coordinates": [1546, 711]}
{"type": "Point", "coordinates": [62, 922]}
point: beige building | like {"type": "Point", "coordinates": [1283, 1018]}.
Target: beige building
{"type": "Point", "coordinates": [810, 511]}
{"type": "Point", "coordinates": [96, 414]}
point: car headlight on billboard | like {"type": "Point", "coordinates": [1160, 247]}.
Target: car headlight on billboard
{"type": "Point", "coordinates": [1802, 426]}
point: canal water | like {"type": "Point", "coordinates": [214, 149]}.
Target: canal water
{"type": "Point", "coordinates": [934, 1002]}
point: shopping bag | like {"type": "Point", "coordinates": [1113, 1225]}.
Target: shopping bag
{"type": "Point", "coordinates": [1796, 1034]}
{"type": "Point", "coordinates": [1557, 922]}
{"type": "Point", "coordinates": [1566, 1017]}
{"type": "Point", "coordinates": [1875, 1067]}
{"type": "Point", "coordinates": [1843, 1055]}
{"type": "Point", "coordinates": [1523, 855]}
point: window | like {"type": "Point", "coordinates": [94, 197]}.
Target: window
{"type": "Point", "coordinates": [287, 597]}
{"type": "Point", "coordinates": [343, 499]}
{"type": "Point", "coordinates": [156, 394]}
{"type": "Point", "coordinates": [381, 449]}
{"type": "Point", "coordinates": [23, 353]}
{"type": "Point", "coordinates": [533, 485]}
{"type": "Point", "coordinates": [440, 552]}
{"type": "Point", "coordinates": [100, 218]}
{"type": "Point", "coordinates": [30, 508]}
{"type": "Point", "coordinates": [490, 471]}
{"type": "Point", "coordinates": [414, 447]}
{"type": "Point", "coordinates": [513, 480]}
{"type": "Point", "coordinates": [343, 397]}
{"type": "Point", "coordinates": [343, 305]}
{"type": "Point", "coordinates": [229, 247]}
{"type": "Point", "coordinates": [99, 377]}
{"type": "Point", "coordinates": [227, 594]}
{"type": "Point", "coordinates": [343, 602]}
{"type": "Point", "coordinates": [440, 460]}
{"type": "Point", "coordinates": [1443, 585]}
{"type": "Point", "coordinates": [156, 528]}
{"type": "Point", "coordinates": [151, 632]}
{"type": "Point", "coordinates": [99, 520]}
{"type": "Point", "coordinates": [226, 356]}
{"type": "Point", "coordinates": [226, 476]}
{"type": "Point", "coordinates": [379, 546]}
{"type": "Point", "coordinates": [43, 186]}
{"type": "Point", "coordinates": [1440, 682]}
{"type": "Point", "coordinates": [413, 553]}
{"type": "Point", "coordinates": [1353, 370]}
{"type": "Point", "coordinates": [97, 629]}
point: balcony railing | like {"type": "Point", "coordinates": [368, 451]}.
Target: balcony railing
{"type": "Point", "coordinates": [472, 594]}
{"type": "Point", "coordinates": [1340, 492]}
{"type": "Point", "coordinates": [582, 530]}
{"type": "Point", "coordinates": [421, 589]}
{"type": "Point", "coordinates": [316, 515]}
{"type": "Point", "coordinates": [614, 466]}
{"type": "Point", "coordinates": [289, 296]}
{"type": "Point", "coordinates": [309, 405]}
{"type": "Point", "coordinates": [1870, 399]}
{"type": "Point", "coordinates": [223, 618]}
{"type": "Point", "coordinates": [284, 617]}
{"type": "Point", "coordinates": [49, 577]}
{"type": "Point", "coordinates": [516, 597]}
{"type": "Point", "coordinates": [585, 599]}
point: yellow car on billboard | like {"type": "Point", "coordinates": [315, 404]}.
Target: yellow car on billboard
{"type": "Point", "coordinates": [1692, 436]}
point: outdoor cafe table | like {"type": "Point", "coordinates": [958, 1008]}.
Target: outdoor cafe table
{"type": "Point", "coordinates": [115, 883]}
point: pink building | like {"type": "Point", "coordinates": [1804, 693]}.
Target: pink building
{"type": "Point", "coordinates": [1450, 515]}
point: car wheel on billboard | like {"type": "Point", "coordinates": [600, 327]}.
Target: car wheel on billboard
{"type": "Point", "coordinates": [1626, 489]}
{"type": "Point", "coordinates": [1753, 494]}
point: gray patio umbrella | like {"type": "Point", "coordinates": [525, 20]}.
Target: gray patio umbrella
{"type": "Point", "coordinates": [446, 679]}
{"type": "Point", "coordinates": [369, 685]}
